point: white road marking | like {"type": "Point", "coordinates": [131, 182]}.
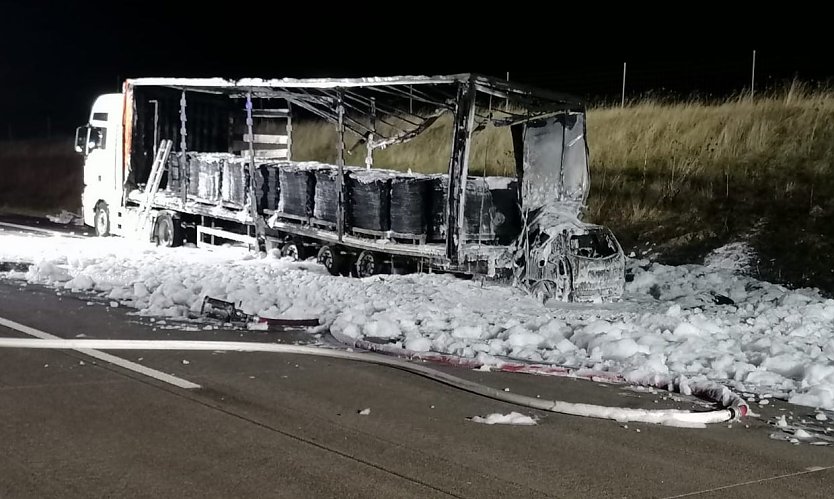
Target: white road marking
{"type": "Point", "coordinates": [38, 229]}
{"type": "Point", "coordinates": [106, 357]}
{"type": "Point", "coordinates": [812, 469]}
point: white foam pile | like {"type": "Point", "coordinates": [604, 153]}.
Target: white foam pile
{"type": "Point", "coordinates": [513, 418]}
{"type": "Point", "coordinates": [770, 341]}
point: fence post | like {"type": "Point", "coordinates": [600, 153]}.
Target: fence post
{"type": "Point", "coordinates": [622, 99]}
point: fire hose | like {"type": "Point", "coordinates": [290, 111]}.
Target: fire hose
{"type": "Point", "coordinates": [672, 417]}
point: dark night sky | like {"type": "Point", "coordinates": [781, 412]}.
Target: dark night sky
{"type": "Point", "coordinates": [55, 58]}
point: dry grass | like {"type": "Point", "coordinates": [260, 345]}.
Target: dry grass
{"type": "Point", "coordinates": [691, 176]}
{"type": "Point", "coordinates": [427, 153]}
{"type": "Point", "coordinates": [40, 176]}
{"type": "Point", "coordinates": [782, 144]}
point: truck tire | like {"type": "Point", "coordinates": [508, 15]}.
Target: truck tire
{"type": "Point", "coordinates": [295, 250]}
{"type": "Point", "coordinates": [167, 232]}
{"type": "Point", "coordinates": [367, 264]}
{"type": "Point", "coordinates": [332, 259]}
{"type": "Point", "coordinates": [102, 219]}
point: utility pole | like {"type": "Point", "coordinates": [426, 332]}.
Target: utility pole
{"type": "Point", "coordinates": [753, 76]}
{"type": "Point", "coordinates": [622, 99]}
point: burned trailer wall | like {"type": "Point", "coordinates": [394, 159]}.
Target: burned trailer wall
{"type": "Point", "coordinates": [157, 116]}
{"type": "Point", "coordinates": [555, 164]}
{"type": "Point", "coordinates": [271, 128]}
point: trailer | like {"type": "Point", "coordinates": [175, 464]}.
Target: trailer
{"type": "Point", "coordinates": [210, 160]}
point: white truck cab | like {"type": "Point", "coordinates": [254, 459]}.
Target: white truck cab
{"type": "Point", "coordinates": [101, 143]}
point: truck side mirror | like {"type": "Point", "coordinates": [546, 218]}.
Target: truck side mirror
{"type": "Point", "coordinates": [82, 137]}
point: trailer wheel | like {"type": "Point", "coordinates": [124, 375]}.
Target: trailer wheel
{"type": "Point", "coordinates": [295, 250]}
{"type": "Point", "coordinates": [167, 232]}
{"type": "Point", "coordinates": [102, 219]}
{"type": "Point", "coordinates": [367, 264]}
{"type": "Point", "coordinates": [332, 260]}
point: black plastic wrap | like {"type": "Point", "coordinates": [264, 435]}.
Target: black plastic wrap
{"type": "Point", "coordinates": [478, 209]}
{"type": "Point", "coordinates": [193, 163]}
{"type": "Point", "coordinates": [175, 173]}
{"type": "Point", "coordinates": [369, 199]}
{"type": "Point", "coordinates": [326, 198]}
{"type": "Point", "coordinates": [507, 216]}
{"type": "Point", "coordinates": [267, 187]}
{"type": "Point", "coordinates": [409, 204]}
{"type": "Point", "coordinates": [235, 181]}
{"type": "Point", "coordinates": [208, 187]}
{"type": "Point", "coordinates": [298, 187]}
{"type": "Point", "coordinates": [205, 175]}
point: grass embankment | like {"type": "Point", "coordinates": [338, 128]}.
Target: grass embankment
{"type": "Point", "coordinates": [685, 177]}
{"type": "Point", "coordinates": [40, 176]}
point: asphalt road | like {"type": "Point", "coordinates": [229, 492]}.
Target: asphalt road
{"type": "Point", "coordinates": [274, 425]}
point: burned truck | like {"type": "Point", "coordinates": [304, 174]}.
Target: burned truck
{"type": "Point", "coordinates": [210, 160]}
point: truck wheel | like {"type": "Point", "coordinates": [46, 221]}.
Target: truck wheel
{"type": "Point", "coordinates": [295, 251]}
{"type": "Point", "coordinates": [168, 232]}
{"type": "Point", "coordinates": [332, 260]}
{"type": "Point", "coordinates": [102, 219]}
{"type": "Point", "coordinates": [367, 264]}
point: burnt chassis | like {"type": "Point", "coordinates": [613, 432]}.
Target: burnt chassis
{"type": "Point", "coordinates": [556, 185]}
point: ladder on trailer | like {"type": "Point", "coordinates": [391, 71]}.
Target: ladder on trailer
{"type": "Point", "coordinates": [157, 168]}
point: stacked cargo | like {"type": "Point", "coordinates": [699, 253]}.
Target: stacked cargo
{"type": "Point", "coordinates": [193, 167]}
{"type": "Point", "coordinates": [409, 204]}
{"type": "Point", "coordinates": [379, 202]}
{"type": "Point", "coordinates": [298, 190]}
{"type": "Point", "coordinates": [267, 187]}
{"type": "Point", "coordinates": [206, 175]}
{"type": "Point", "coordinates": [235, 181]}
{"type": "Point", "coordinates": [326, 197]}
{"type": "Point", "coordinates": [369, 197]}
{"type": "Point", "coordinates": [478, 209]}
{"type": "Point", "coordinates": [174, 172]}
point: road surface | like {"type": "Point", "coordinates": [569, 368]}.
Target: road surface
{"type": "Point", "coordinates": [274, 425]}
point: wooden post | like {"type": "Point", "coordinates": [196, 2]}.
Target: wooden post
{"type": "Point", "coordinates": [340, 162]}
{"type": "Point", "coordinates": [459, 169]}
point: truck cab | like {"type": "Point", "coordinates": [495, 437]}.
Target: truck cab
{"type": "Point", "coordinates": [101, 143]}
